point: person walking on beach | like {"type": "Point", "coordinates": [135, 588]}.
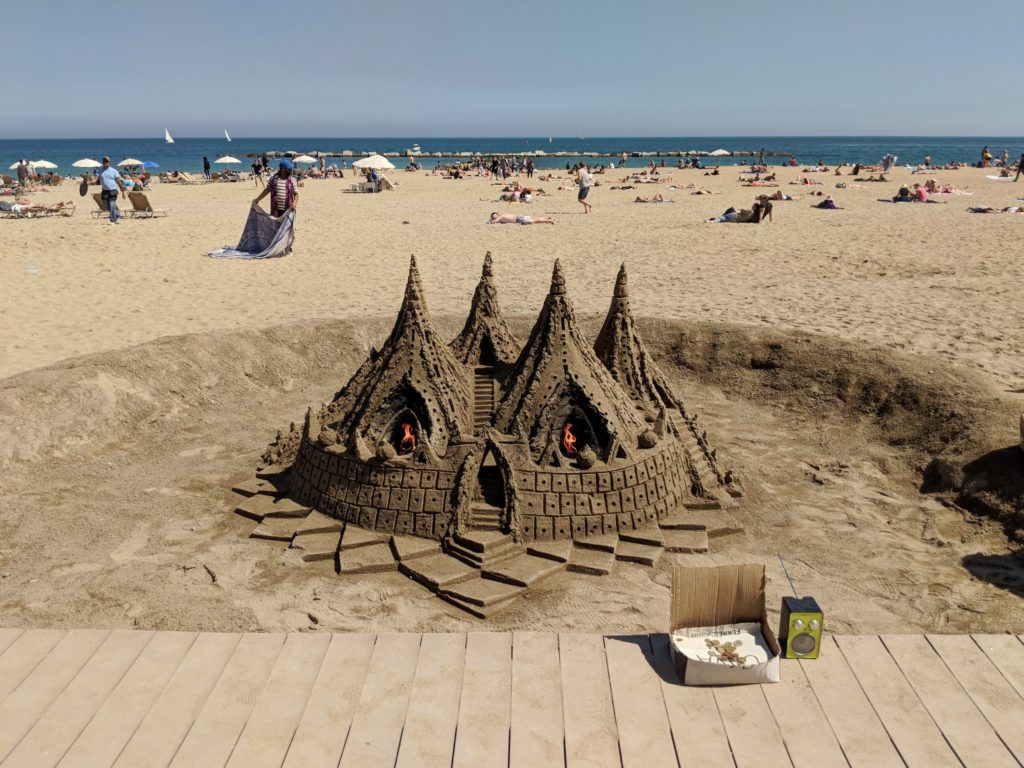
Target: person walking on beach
{"type": "Point", "coordinates": [110, 184]}
{"type": "Point", "coordinates": [23, 173]}
{"type": "Point", "coordinates": [257, 173]}
{"type": "Point", "coordinates": [1020, 167]}
{"type": "Point", "coordinates": [284, 195]}
{"type": "Point", "coordinates": [584, 179]}
{"type": "Point", "coordinates": [206, 167]}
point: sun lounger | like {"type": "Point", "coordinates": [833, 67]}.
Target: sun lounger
{"type": "Point", "coordinates": [100, 205]}
{"type": "Point", "coordinates": [142, 208]}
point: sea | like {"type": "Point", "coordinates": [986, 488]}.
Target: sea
{"type": "Point", "coordinates": [186, 154]}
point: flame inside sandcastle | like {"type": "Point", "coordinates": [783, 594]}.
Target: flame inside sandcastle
{"type": "Point", "coordinates": [555, 438]}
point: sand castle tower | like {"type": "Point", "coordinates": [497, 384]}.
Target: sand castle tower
{"type": "Point", "coordinates": [559, 440]}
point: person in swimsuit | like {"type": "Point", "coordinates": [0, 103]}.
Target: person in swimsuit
{"type": "Point", "coordinates": [511, 218]}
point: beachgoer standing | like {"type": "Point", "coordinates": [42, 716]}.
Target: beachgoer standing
{"type": "Point", "coordinates": [284, 195]}
{"type": "Point", "coordinates": [760, 157]}
{"type": "Point", "coordinates": [206, 167]}
{"type": "Point", "coordinates": [257, 173]}
{"type": "Point", "coordinates": [584, 179]}
{"type": "Point", "coordinates": [110, 183]}
{"type": "Point", "coordinates": [529, 167]}
{"type": "Point", "coordinates": [623, 163]}
{"type": "Point", "coordinates": [1020, 166]}
{"type": "Point", "coordinates": [986, 157]}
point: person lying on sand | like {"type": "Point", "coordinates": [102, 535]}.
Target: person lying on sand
{"type": "Point", "coordinates": [881, 177]}
{"type": "Point", "coordinates": [754, 183]}
{"type": "Point", "coordinates": [933, 187]}
{"type": "Point", "coordinates": [702, 191]}
{"type": "Point", "coordinates": [828, 204]}
{"type": "Point", "coordinates": [990, 209]}
{"type": "Point", "coordinates": [778, 195]}
{"type": "Point", "coordinates": [658, 198]}
{"type": "Point", "coordinates": [23, 207]}
{"type": "Point", "coordinates": [512, 218]}
{"type": "Point", "coordinates": [761, 211]}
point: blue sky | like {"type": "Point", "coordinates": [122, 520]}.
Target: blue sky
{"type": "Point", "coordinates": [525, 68]}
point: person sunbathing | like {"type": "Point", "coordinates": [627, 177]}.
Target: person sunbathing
{"type": "Point", "coordinates": [702, 191]}
{"type": "Point", "coordinates": [990, 209]}
{"type": "Point", "coordinates": [779, 195]}
{"type": "Point", "coordinates": [512, 218]}
{"type": "Point", "coordinates": [23, 207]}
{"type": "Point", "coordinates": [828, 204]}
{"type": "Point", "coordinates": [658, 198]}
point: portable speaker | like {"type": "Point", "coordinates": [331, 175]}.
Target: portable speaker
{"type": "Point", "coordinates": [800, 628]}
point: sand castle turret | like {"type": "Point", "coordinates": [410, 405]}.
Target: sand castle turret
{"type": "Point", "coordinates": [558, 379]}
{"type": "Point", "coordinates": [413, 389]}
{"type": "Point", "coordinates": [485, 339]}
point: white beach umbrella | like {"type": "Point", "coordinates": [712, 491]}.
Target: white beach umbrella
{"type": "Point", "coordinates": [719, 153]}
{"type": "Point", "coordinates": [304, 159]}
{"type": "Point", "coordinates": [86, 162]}
{"type": "Point", "coordinates": [46, 164]}
{"type": "Point", "coordinates": [129, 161]}
{"type": "Point", "coordinates": [374, 162]}
{"type": "Point", "coordinates": [227, 159]}
{"type": "Point", "coordinates": [14, 166]}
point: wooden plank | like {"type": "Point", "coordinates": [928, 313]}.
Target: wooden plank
{"type": "Point", "coordinates": [753, 733]}
{"type": "Point", "coordinates": [165, 726]}
{"type": "Point", "coordinates": [114, 723]}
{"type": "Point", "coordinates": [59, 726]}
{"type": "Point", "coordinates": [484, 709]}
{"type": "Point", "coordinates": [276, 714]}
{"type": "Point", "coordinates": [213, 734]}
{"type": "Point", "coordinates": [645, 737]}
{"type": "Point", "coordinates": [536, 738]}
{"type": "Point", "coordinates": [911, 728]}
{"type": "Point", "coordinates": [22, 656]}
{"type": "Point", "coordinates": [591, 735]}
{"type": "Point", "coordinates": [23, 706]}
{"type": "Point", "coordinates": [805, 729]}
{"type": "Point", "coordinates": [960, 721]}
{"type": "Point", "coordinates": [1001, 705]}
{"type": "Point", "coordinates": [863, 738]}
{"type": "Point", "coordinates": [323, 729]}
{"type": "Point", "coordinates": [697, 728]}
{"type": "Point", "coordinates": [428, 740]}
{"type": "Point", "coordinates": [1005, 651]}
{"type": "Point", "coordinates": [8, 636]}
{"type": "Point", "coordinates": [380, 713]}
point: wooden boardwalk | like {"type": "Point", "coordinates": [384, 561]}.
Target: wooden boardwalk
{"type": "Point", "coordinates": [130, 698]}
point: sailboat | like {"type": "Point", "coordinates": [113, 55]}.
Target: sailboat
{"type": "Point", "coordinates": [167, 136]}
{"type": "Point", "coordinates": [226, 134]}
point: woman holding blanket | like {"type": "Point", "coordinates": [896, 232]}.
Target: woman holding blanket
{"type": "Point", "coordinates": [284, 195]}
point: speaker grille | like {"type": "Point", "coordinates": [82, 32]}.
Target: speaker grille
{"type": "Point", "coordinates": [802, 644]}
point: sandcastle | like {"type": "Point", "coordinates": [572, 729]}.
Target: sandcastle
{"type": "Point", "coordinates": [484, 447]}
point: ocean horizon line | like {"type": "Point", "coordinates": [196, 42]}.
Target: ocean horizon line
{"type": "Point", "coordinates": [422, 137]}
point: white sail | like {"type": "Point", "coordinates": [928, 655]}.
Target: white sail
{"type": "Point", "coordinates": [167, 136]}
{"type": "Point", "coordinates": [226, 134]}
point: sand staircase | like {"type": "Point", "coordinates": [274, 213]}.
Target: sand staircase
{"type": "Point", "coordinates": [705, 472]}
{"type": "Point", "coordinates": [483, 395]}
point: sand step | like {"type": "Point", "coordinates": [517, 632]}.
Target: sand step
{"type": "Point", "coordinates": [255, 507]}
{"type": "Point", "coordinates": [437, 572]}
{"type": "Point", "coordinates": [480, 611]}
{"type": "Point", "coordinates": [605, 542]}
{"type": "Point", "coordinates": [353, 536]}
{"type": "Point", "coordinates": [651, 536]}
{"type": "Point", "coordinates": [485, 516]}
{"type": "Point", "coordinates": [523, 570]}
{"type": "Point", "coordinates": [285, 507]}
{"type": "Point", "coordinates": [483, 592]}
{"type": "Point", "coordinates": [249, 487]}
{"type": "Point", "coordinates": [318, 522]}
{"type": "Point", "coordinates": [481, 559]}
{"type": "Point", "coordinates": [558, 551]}
{"type": "Point", "coordinates": [275, 529]}
{"type": "Point", "coordinates": [644, 554]}
{"type": "Point", "coordinates": [317, 546]}
{"type": "Point", "coordinates": [683, 521]}
{"type": "Point", "coordinates": [687, 541]}
{"type": "Point", "coordinates": [483, 541]}
{"type": "Point", "coordinates": [483, 396]}
{"type": "Point", "coordinates": [375, 558]}
{"type": "Point", "coordinates": [411, 547]}
{"type": "Point", "coordinates": [594, 562]}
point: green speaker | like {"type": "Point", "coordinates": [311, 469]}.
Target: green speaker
{"type": "Point", "coordinates": [800, 628]}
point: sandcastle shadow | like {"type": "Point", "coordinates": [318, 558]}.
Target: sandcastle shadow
{"type": "Point", "coordinates": [1003, 571]}
{"type": "Point", "coordinates": [654, 648]}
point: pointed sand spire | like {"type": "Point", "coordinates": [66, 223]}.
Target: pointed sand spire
{"type": "Point", "coordinates": [485, 338]}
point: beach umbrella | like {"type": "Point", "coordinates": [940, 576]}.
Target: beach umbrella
{"type": "Point", "coordinates": [227, 159]}
{"type": "Point", "coordinates": [719, 153]}
{"type": "Point", "coordinates": [86, 162]}
{"type": "Point", "coordinates": [14, 166]}
{"type": "Point", "coordinates": [46, 164]}
{"type": "Point", "coordinates": [374, 162]}
{"type": "Point", "coordinates": [129, 161]}
{"type": "Point", "coordinates": [303, 159]}
{"type": "Point", "coordinates": [150, 164]}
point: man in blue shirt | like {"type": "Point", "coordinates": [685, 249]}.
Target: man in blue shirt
{"type": "Point", "coordinates": [110, 183]}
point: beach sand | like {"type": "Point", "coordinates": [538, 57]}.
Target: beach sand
{"type": "Point", "coordinates": [115, 508]}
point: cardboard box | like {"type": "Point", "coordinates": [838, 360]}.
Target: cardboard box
{"type": "Point", "coordinates": [710, 599]}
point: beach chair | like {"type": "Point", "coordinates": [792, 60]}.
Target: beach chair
{"type": "Point", "coordinates": [142, 208]}
{"type": "Point", "coordinates": [65, 210]}
{"type": "Point", "coordinates": [101, 206]}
